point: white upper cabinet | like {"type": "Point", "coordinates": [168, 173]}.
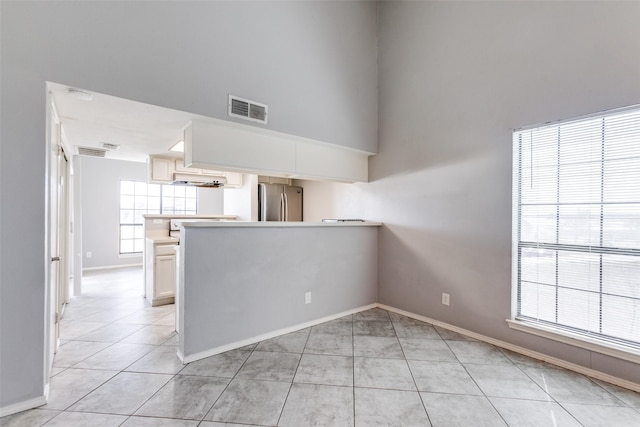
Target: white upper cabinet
{"type": "Point", "coordinates": [230, 145]}
{"type": "Point", "coordinates": [160, 170]}
{"type": "Point", "coordinates": [217, 143]}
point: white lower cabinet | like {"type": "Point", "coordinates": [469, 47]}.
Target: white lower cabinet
{"type": "Point", "coordinates": [160, 260]}
{"type": "Point", "coordinates": [165, 272]}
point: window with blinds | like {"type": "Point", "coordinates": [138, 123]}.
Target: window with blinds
{"type": "Point", "coordinates": [576, 227]}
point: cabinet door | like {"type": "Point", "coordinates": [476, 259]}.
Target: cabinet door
{"type": "Point", "coordinates": [162, 169]}
{"type": "Point", "coordinates": [165, 276]}
{"type": "Point", "coordinates": [273, 180]}
{"type": "Point", "coordinates": [234, 179]}
{"type": "Point", "coordinates": [212, 172]}
{"type": "Point", "coordinates": [181, 168]}
{"type": "Point", "coordinates": [278, 180]}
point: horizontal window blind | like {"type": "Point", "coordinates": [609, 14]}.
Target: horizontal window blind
{"type": "Point", "coordinates": [576, 226]}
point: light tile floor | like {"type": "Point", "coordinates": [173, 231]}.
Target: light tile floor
{"type": "Point", "coordinates": [117, 366]}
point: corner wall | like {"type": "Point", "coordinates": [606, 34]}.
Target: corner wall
{"type": "Point", "coordinates": [455, 79]}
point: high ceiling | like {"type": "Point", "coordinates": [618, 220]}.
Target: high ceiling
{"type": "Point", "coordinates": [139, 129]}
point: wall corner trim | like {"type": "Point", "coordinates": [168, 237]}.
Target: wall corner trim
{"type": "Point", "coordinates": [521, 350]}
{"type": "Point", "coordinates": [23, 406]}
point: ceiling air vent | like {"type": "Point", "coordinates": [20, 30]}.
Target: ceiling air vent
{"type": "Point", "coordinates": [91, 151]}
{"type": "Point", "coordinates": [248, 110]}
{"type": "Point", "coordinates": [109, 146]}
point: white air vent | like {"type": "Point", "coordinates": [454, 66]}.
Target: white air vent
{"type": "Point", "coordinates": [248, 110]}
{"type": "Point", "coordinates": [91, 151]}
{"type": "Point", "coordinates": [109, 146]}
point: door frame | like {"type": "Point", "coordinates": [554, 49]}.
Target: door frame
{"type": "Point", "coordinates": [58, 229]}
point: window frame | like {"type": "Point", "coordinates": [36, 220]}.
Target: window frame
{"type": "Point", "coordinates": [160, 211]}
{"type": "Point", "coordinates": [622, 349]}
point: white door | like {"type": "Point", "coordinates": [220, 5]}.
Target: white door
{"type": "Point", "coordinates": [64, 238]}
{"type": "Point", "coordinates": [59, 232]}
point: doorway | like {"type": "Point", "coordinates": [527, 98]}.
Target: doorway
{"type": "Point", "coordinates": [59, 229]}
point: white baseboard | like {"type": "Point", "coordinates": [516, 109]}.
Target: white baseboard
{"type": "Point", "coordinates": [521, 350]}
{"type": "Point", "coordinates": [111, 267]}
{"type": "Point", "coordinates": [238, 344]}
{"type": "Point", "coordinates": [23, 406]}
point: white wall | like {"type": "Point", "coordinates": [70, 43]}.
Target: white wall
{"type": "Point", "coordinates": [455, 79]}
{"type": "Point", "coordinates": [243, 202]}
{"type": "Point", "coordinates": [314, 63]}
{"type": "Point", "coordinates": [100, 200]}
{"type": "Point", "coordinates": [210, 201]}
{"type": "Point", "coordinates": [322, 199]}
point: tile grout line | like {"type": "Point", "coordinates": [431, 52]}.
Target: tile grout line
{"type": "Point", "coordinates": [484, 394]}
{"type": "Point", "coordinates": [255, 345]}
{"type": "Point", "coordinates": [353, 370]}
{"type": "Point", "coordinates": [395, 333]}
{"type": "Point", "coordinates": [293, 378]}
{"type": "Point", "coordinates": [553, 399]}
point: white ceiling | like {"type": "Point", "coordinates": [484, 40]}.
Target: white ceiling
{"type": "Point", "coordinates": [140, 129]}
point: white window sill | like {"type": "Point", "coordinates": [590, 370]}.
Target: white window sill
{"type": "Point", "coordinates": [619, 351]}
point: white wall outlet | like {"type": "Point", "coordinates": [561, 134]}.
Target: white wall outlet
{"type": "Point", "coordinates": [307, 298]}
{"type": "Point", "coordinates": [445, 299]}
{"type": "Point", "coordinates": [89, 254]}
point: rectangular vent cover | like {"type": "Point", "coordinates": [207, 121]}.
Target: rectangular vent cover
{"type": "Point", "coordinates": [91, 151]}
{"type": "Point", "coordinates": [109, 146]}
{"type": "Point", "coordinates": [248, 110]}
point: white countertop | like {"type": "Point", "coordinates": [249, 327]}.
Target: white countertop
{"type": "Point", "coordinates": [163, 240]}
{"type": "Point", "coordinates": [292, 224]}
{"type": "Point", "coordinates": [171, 216]}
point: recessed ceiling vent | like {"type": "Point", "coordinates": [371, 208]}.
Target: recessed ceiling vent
{"type": "Point", "coordinates": [91, 151]}
{"type": "Point", "coordinates": [109, 146]}
{"type": "Point", "coordinates": [248, 110]}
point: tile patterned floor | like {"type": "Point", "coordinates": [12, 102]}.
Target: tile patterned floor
{"type": "Point", "coordinates": [117, 366]}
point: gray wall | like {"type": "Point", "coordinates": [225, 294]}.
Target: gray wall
{"type": "Point", "coordinates": [257, 284]}
{"type": "Point", "coordinates": [455, 79]}
{"type": "Point", "coordinates": [314, 63]}
{"type": "Point", "coordinates": [100, 199]}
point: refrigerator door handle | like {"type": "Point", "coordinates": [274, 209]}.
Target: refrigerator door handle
{"type": "Point", "coordinates": [281, 216]}
{"type": "Point", "coordinates": [286, 207]}
{"type": "Point", "coordinates": [262, 195]}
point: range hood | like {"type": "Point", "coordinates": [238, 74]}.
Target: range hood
{"type": "Point", "coordinates": [199, 180]}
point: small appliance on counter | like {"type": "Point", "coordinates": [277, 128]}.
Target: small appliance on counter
{"type": "Point", "coordinates": [278, 202]}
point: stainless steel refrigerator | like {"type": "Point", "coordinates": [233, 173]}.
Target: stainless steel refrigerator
{"type": "Point", "coordinates": [278, 202]}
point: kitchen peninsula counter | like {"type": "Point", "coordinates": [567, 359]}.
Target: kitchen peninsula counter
{"type": "Point", "coordinates": [170, 216]}
{"type": "Point", "coordinates": [281, 224]}
{"type": "Point", "coordinates": [243, 282]}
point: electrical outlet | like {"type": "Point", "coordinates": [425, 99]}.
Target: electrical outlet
{"type": "Point", "coordinates": [445, 299]}
{"type": "Point", "coordinates": [307, 298]}
{"type": "Point", "coordinates": [89, 254]}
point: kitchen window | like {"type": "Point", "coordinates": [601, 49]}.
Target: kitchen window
{"type": "Point", "coordinates": [576, 232]}
{"type": "Point", "coordinates": [139, 198]}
